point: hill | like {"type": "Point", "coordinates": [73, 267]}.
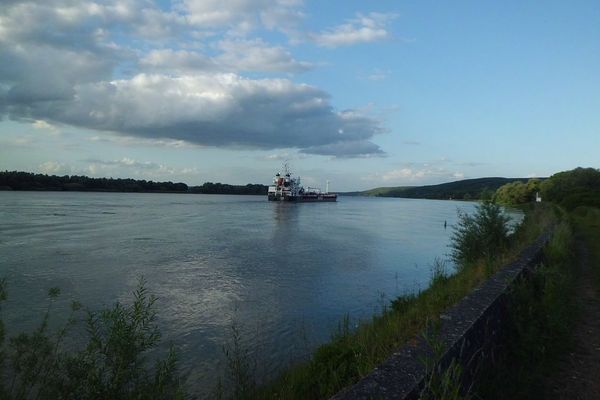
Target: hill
{"type": "Point", "coordinates": [467, 189]}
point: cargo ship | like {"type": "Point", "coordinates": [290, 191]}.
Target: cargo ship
{"type": "Point", "coordinates": [288, 188]}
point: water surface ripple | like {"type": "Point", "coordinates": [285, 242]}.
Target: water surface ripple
{"type": "Point", "coordinates": [284, 274]}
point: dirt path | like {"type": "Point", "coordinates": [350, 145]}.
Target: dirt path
{"type": "Point", "coordinates": [578, 376]}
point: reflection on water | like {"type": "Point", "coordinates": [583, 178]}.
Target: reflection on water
{"type": "Point", "coordinates": [283, 273]}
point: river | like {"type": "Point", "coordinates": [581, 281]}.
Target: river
{"type": "Point", "coordinates": [283, 274]}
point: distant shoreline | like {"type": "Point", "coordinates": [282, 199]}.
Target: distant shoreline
{"type": "Point", "coordinates": [26, 181]}
{"type": "Point", "coordinates": [4, 189]}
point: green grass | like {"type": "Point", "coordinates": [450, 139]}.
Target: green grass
{"type": "Point", "coordinates": [352, 354]}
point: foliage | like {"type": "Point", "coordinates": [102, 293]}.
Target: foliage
{"type": "Point", "coordinates": [517, 192]}
{"type": "Point", "coordinates": [542, 312]}
{"type": "Point", "coordinates": [578, 187]}
{"type": "Point", "coordinates": [481, 235]}
{"type": "Point", "coordinates": [441, 383]}
{"type": "Point", "coordinates": [241, 370]}
{"type": "Point", "coordinates": [353, 353]}
{"type": "Point", "coordinates": [539, 218]}
{"type": "Point", "coordinates": [222, 188]}
{"type": "Point", "coordinates": [439, 272]}
{"type": "Point", "coordinates": [111, 365]}
{"type": "Point", "coordinates": [14, 180]}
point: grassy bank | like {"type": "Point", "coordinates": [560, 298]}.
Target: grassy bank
{"type": "Point", "coordinates": [351, 354]}
{"type": "Point", "coordinates": [544, 312]}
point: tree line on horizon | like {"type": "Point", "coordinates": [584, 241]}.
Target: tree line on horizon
{"type": "Point", "coordinates": [17, 180]}
{"type": "Point", "coordinates": [466, 189]}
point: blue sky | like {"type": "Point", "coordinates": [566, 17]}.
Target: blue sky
{"type": "Point", "coordinates": [364, 94]}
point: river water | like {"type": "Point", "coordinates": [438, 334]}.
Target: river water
{"type": "Point", "coordinates": [284, 275]}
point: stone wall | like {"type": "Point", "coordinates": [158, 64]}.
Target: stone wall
{"type": "Point", "coordinates": [469, 333]}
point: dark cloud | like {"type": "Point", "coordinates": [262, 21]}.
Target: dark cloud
{"type": "Point", "coordinates": [343, 149]}
{"type": "Point", "coordinates": [59, 60]}
{"type": "Point", "coordinates": [216, 110]}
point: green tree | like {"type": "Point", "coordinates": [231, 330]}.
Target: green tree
{"type": "Point", "coordinates": [578, 187]}
{"type": "Point", "coordinates": [517, 192]}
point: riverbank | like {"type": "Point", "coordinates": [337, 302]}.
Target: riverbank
{"type": "Point", "coordinates": [212, 262]}
{"type": "Point", "coordinates": [353, 353]}
{"type": "Point", "coordinates": [553, 350]}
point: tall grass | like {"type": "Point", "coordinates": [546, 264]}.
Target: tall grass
{"type": "Point", "coordinates": [112, 364]}
{"type": "Point", "coordinates": [352, 354]}
{"type": "Point", "coordinates": [542, 311]}
{"type": "Point", "coordinates": [441, 383]}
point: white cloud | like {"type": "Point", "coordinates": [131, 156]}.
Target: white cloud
{"type": "Point", "coordinates": [414, 174]}
{"type": "Point", "coordinates": [127, 166]}
{"type": "Point", "coordinates": [45, 127]}
{"type": "Point", "coordinates": [362, 29]}
{"type": "Point", "coordinates": [181, 61]}
{"type": "Point", "coordinates": [236, 55]}
{"type": "Point", "coordinates": [60, 59]}
{"type": "Point", "coordinates": [243, 16]}
{"type": "Point", "coordinates": [256, 55]}
{"type": "Point", "coordinates": [378, 75]}
{"type": "Point", "coordinates": [54, 168]}
{"type": "Point", "coordinates": [347, 149]}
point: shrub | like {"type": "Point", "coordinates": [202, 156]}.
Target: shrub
{"type": "Point", "coordinates": [111, 365]}
{"type": "Point", "coordinates": [481, 235]}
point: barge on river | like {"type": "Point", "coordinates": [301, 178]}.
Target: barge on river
{"type": "Point", "coordinates": [288, 188]}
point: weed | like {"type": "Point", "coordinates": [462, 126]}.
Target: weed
{"type": "Point", "coordinates": [111, 365]}
{"type": "Point", "coordinates": [440, 383]}
{"type": "Point", "coordinates": [542, 310]}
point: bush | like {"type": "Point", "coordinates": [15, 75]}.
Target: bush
{"type": "Point", "coordinates": [112, 365]}
{"type": "Point", "coordinates": [481, 235]}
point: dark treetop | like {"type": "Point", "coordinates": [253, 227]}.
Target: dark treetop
{"type": "Point", "coordinates": [15, 180]}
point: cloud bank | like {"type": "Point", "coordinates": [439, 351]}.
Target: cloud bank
{"type": "Point", "coordinates": [362, 29]}
{"type": "Point", "coordinates": [132, 68]}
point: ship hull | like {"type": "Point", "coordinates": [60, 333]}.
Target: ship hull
{"type": "Point", "coordinates": [305, 198]}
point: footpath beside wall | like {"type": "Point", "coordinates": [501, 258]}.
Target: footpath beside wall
{"type": "Point", "coordinates": [468, 333]}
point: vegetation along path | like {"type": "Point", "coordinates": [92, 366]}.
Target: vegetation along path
{"type": "Point", "coordinates": [578, 376]}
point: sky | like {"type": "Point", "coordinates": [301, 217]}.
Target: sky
{"type": "Point", "coordinates": [364, 94]}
